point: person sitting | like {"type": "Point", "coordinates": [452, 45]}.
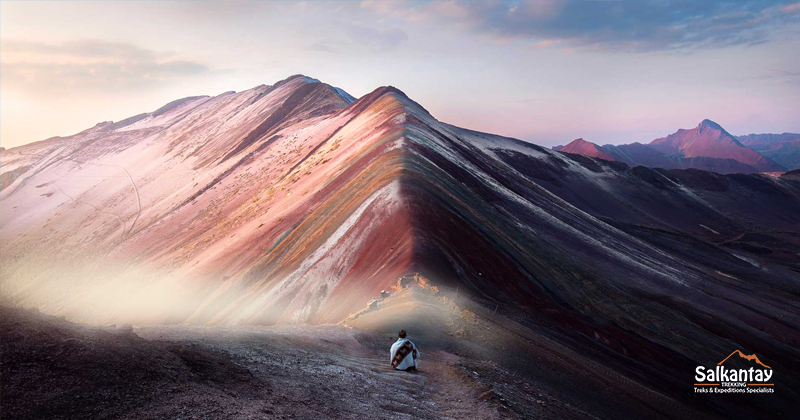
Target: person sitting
{"type": "Point", "coordinates": [404, 354]}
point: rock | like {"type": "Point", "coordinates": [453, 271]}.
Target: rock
{"type": "Point", "coordinates": [487, 395]}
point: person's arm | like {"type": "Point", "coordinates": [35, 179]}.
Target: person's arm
{"type": "Point", "coordinates": [416, 352]}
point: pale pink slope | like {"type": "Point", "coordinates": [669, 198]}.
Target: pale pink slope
{"type": "Point", "coordinates": [153, 200]}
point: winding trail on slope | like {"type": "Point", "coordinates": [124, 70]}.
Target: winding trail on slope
{"type": "Point", "coordinates": [92, 206]}
{"type": "Point", "coordinates": [125, 232]}
{"type": "Point", "coordinates": [49, 158]}
{"type": "Point", "coordinates": [130, 178]}
{"type": "Point", "coordinates": [138, 199]}
{"type": "Point", "coordinates": [138, 212]}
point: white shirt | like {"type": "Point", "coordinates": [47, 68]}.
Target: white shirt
{"type": "Point", "coordinates": [409, 360]}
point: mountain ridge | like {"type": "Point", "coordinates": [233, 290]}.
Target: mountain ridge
{"type": "Point", "coordinates": [709, 139]}
{"type": "Point", "coordinates": [707, 146]}
{"type": "Point", "coordinates": [783, 148]}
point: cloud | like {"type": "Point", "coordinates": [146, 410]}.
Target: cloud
{"type": "Point", "coordinates": [90, 64]}
{"type": "Point", "coordinates": [619, 25]}
{"type": "Point", "coordinates": [85, 48]}
{"type": "Point", "coordinates": [781, 73]}
{"type": "Point", "coordinates": [322, 46]}
{"type": "Point", "coordinates": [377, 38]}
{"type": "Point", "coordinates": [359, 38]}
{"type": "Point", "coordinates": [781, 77]}
{"type": "Point", "coordinates": [384, 6]}
{"type": "Point", "coordinates": [792, 8]}
{"type": "Point", "coordinates": [39, 76]}
{"type": "Point", "coordinates": [402, 9]}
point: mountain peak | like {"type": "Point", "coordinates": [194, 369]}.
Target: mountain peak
{"type": "Point", "coordinates": [300, 76]}
{"type": "Point", "coordinates": [709, 124]}
{"type": "Point", "coordinates": [710, 140]}
{"type": "Point", "coordinates": [580, 142]}
{"type": "Point", "coordinates": [582, 147]}
{"type": "Point", "coordinates": [383, 90]}
{"type": "Point", "coordinates": [366, 100]}
{"type": "Point", "coordinates": [302, 80]}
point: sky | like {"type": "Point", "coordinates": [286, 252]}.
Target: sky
{"type": "Point", "coordinates": [542, 71]}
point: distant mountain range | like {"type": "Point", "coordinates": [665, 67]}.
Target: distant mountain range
{"type": "Point", "coordinates": [708, 147]}
{"type": "Point", "coordinates": [782, 148]}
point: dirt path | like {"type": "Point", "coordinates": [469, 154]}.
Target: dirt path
{"type": "Point", "coordinates": [138, 199]}
{"type": "Point", "coordinates": [97, 209]}
{"type": "Point", "coordinates": [126, 231]}
{"type": "Point", "coordinates": [458, 394]}
{"type": "Point", "coordinates": [130, 178]}
{"type": "Point", "coordinates": [338, 372]}
{"type": "Point", "coordinates": [440, 388]}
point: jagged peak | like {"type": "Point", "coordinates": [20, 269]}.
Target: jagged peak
{"type": "Point", "coordinates": [709, 124]}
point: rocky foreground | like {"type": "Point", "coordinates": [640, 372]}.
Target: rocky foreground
{"type": "Point", "coordinates": [475, 363]}
{"type": "Point", "coordinates": [55, 369]}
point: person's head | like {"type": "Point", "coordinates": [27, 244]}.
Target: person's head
{"type": "Point", "coordinates": [402, 334]}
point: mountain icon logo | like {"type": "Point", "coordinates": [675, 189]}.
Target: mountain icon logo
{"type": "Point", "coordinates": [750, 357]}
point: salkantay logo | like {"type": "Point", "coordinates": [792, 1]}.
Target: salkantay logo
{"type": "Point", "coordinates": [723, 380]}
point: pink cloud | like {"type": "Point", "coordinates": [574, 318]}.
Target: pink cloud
{"type": "Point", "coordinates": [543, 9]}
{"type": "Point", "coordinates": [450, 9]}
{"type": "Point", "coordinates": [792, 8]}
{"type": "Point", "coordinates": [398, 8]}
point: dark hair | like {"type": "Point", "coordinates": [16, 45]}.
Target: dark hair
{"type": "Point", "coordinates": [402, 334]}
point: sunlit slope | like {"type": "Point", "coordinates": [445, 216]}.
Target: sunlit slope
{"type": "Point", "coordinates": [293, 203]}
{"type": "Point", "coordinates": [159, 201]}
